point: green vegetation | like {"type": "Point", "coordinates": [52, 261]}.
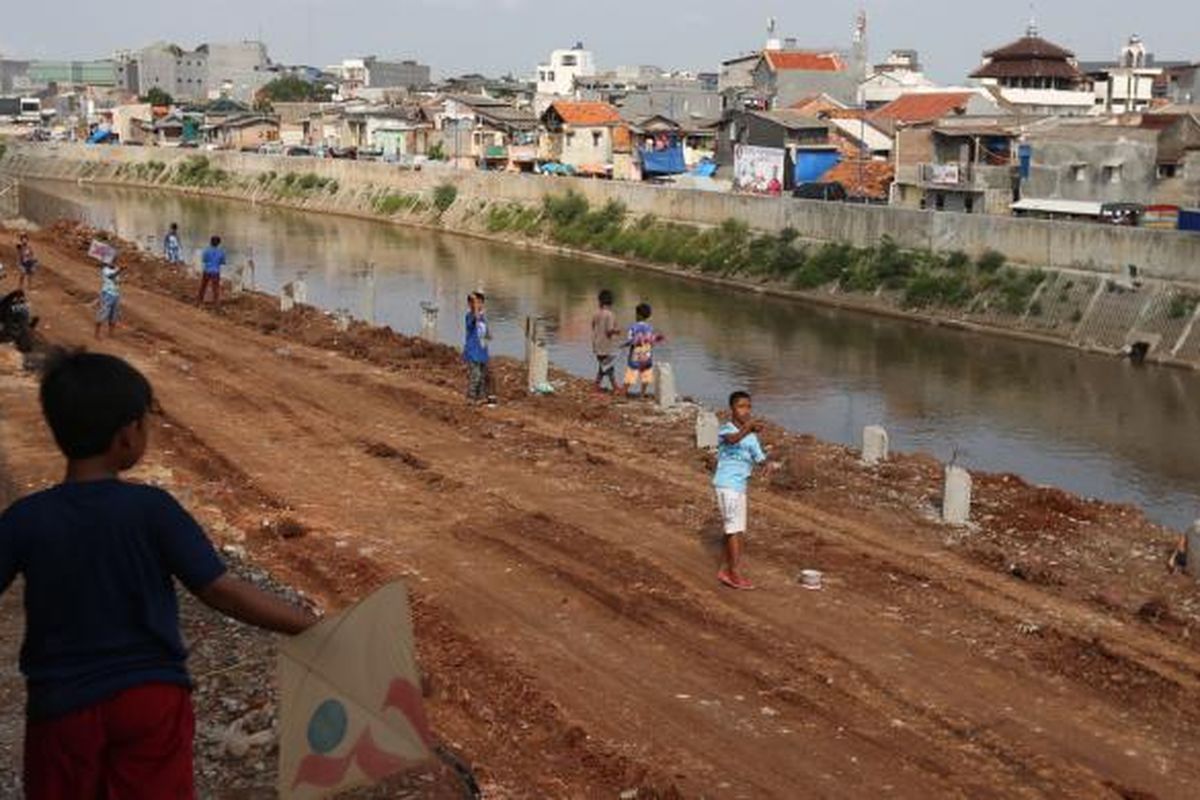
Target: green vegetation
{"type": "Point", "coordinates": [290, 89]}
{"type": "Point", "coordinates": [196, 171]}
{"type": "Point", "coordinates": [922, 279]}
{"type": "Point", "coordinates": [3, 149]}
{"type": "Point", "coordinates": [1183, 305]}
{"type": "Point", "coordinates": [437, 152]}
{"type": "Point", "coordinates": [293, 184]}
{"type": "Point", "coordinates": [148, 170]}
{"type": "Point", "coordinates": [157, 97]}
{"type": "Point", "coordinates": [391, 203]}
{"type": "Point", "coordinates": [444, 195]}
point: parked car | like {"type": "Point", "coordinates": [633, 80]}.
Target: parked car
{"type": "Point", "coordinates": [297, 151]}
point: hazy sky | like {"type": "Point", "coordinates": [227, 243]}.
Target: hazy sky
{"type": "Point", "coordinates": [495, 36]}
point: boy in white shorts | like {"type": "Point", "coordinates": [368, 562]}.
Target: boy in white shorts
{"type": "Point", "coordinates": [737, 454]}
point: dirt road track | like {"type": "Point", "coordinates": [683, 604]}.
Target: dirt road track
{"type": "Point", "coordinates": [563, 557]}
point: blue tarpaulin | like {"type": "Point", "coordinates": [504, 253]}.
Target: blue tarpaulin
{"type": "Point", "coordinates": [668, 161]}
{"type": "Point", "coordinates": [99, 135]}
{"type": "Point", "coordinates": [812, 164]}
{"type": "Point", "coordinates": [1189, 219]}
{"type": "Point", "coordinates": [705, 169]}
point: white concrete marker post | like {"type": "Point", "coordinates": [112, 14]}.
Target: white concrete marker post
{"type": "Point", "coordinates": [537, 359]}
{"type": "Point", "coordinates": [341, 320]}
{"type": "Point", "coordinates": [956, 498]}
{"type": "Point", "coordinates": [707, 429]}
{"type": "Point", "coordinates": [300, 292]}
{"type": "Point", "coordinates": [665, 394]}
{"type": "Point", "coordinates": [875, 445]}
{"type": "Point", "coordinates": [287, 297]}
{"type": "Point", "coordinates": [429, 318]}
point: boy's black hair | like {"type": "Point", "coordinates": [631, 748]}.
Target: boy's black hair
{"type": "Point", "coordinates": [174, 225]}
{"type": "Point", "coordinates": [476, 295]}
{"type": "Point", "coordinates": [215, 241]}
{"type": "Point", "coordinates": [643, 311]}
{"type": "Point", "coordinates": [88, 397]}
{"type": "Point", "coordinates": [740, 394]}
{"type": "Point", "coordinates": [606, 298]}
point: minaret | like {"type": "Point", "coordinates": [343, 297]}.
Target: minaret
{"type": "Point", "coordinates": [858, 53]}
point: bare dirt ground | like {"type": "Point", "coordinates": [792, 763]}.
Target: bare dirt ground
{"type": "Point", "coordinates": [562, 552]}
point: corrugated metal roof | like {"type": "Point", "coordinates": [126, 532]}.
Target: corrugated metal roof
{"type": "Point", "coordinates": [1082, 208]}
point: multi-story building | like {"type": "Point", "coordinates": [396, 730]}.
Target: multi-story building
{"type": "Point", "coordinates": [647, 91]}
{"type": "Point", "coordinates": [900, 74]}
{"type": "Point", "coordinates": [101, 74]}
{"type": "Point", "coordinates": [235, 69]}
{"type": "Point", "coordinates": [581, 135]}
{"type": "Point", "coordinates": [371, 72]}
{"type": "Point", "coordinates": [556, 78]}
{"type": "Point", "coordinates": [1035, 76]}
{"type": "Point", "coordinates": [168, 67]}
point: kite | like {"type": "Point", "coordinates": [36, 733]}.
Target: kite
{"type": "Point", "coordinates": [351, 710]}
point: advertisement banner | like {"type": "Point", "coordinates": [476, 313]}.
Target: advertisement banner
{"type": "Point", "coordinates": [758, 169]}
{"type": "Point", "coordinates": [945, 174]}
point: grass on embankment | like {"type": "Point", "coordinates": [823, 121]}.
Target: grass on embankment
{"type": "Point", "coordinates": [924, 279]}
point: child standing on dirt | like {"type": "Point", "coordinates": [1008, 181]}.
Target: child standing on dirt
{"type": "Point", "coordinates": [604, 332]}
{"type": "Point", "coordinates": [109, 711]}
{"type": "Point", "coordinates": [110, 296]}
{"type": "Point", "coordinates": [27, 262]}
{"type": "Point", "coordinates": [475, 351]}
{"type": "Point", "coordinates": [172, 249]}
{"type": "Point", "coordinates": [639, 368]}
{"type": "Point", "coordinates": [211, 261]}
{"type": "Point", "coordinates": [738, 452]}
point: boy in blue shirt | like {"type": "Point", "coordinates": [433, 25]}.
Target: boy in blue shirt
{"type": "Point", "coordinates": [109, 711]}
{"type": "Point", "coordinates": [639, 367]}
{"type": "Point", "coordinates": [211, 261]}
{"type": "Point", "coordinates": [475, 351]}
{"type": "Point", "coordinates": [738, 452]}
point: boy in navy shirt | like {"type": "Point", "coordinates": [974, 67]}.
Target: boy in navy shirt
{"type": "Point", "coordinates": [109, 708]}
{"type": "Point", "coordinates": [475, 351]}
{"type": "Point", "coordinates": [211, 261]}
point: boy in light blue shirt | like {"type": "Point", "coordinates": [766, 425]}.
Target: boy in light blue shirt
{"type": "Point", "coordinates": [109, 307]}
{"type": "Point", "coordinates": [738, 452]}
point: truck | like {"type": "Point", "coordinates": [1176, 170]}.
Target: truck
{"type": "Point", "coordinates": [21, 109]}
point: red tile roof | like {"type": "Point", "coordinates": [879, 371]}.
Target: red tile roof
{"type": "Point", "coordinates": [804, 60]}
{"type": "Point", "coordinates": [923, 106]}
{"type": "Point", "coordinates": [587, 113]}
{"type": "Point", "coordinates": [877, 177]}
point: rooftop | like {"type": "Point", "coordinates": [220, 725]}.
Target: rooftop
{"type": "Point", "coordinates": [587, 113]}
{"type": "Point", "coordinates": [792, 119]}
{"type": "Point", "coordinates": [923, 106]}
{"type": "Point", "coordinates": [803, 60]}
{"type": "Point", "coordinates": [1029, 57]}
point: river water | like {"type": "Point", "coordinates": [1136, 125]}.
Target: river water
{"type": "Point", "coordinates": [1090, 424]}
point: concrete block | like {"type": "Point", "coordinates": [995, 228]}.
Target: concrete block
{"type": "Point", "coordinates": [286, 303]}
{"type": "Point", "coordinates": [956, 497]}
{"type": "Point", "coordinates": [429, 318]}
{"type": "Point", "coordinates": [341, 319]}
{"type": "Point", "coordinates": [875, 445]}
{"type": "Point", "coordinates": [539, 367]}
{"type": "Point", "coordinates": [664, 392]}
{"type": "Point", "coordinates": [707, 429]}
{"type": "Point", "coordinates": [1193, 550]}
{"type": "Point", "coordinates": [300, 291]}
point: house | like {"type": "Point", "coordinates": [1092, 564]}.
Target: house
{"type": "Point", "coordinates": [174, 129]}
{"type": "Point", "coordinates": [580, 135]}
{"type": "Point", "coordinates": [967, 164]}
{"type": "Point", "coordinates": [793, 144]}
{"type": "Point", "coordinates": [915, 108]}
{"type": "Point", "coordinates": [781, 77]}
{"type": "Point", "coordinates": [1035, 76]}
{"type": "Point", "coordinates": [484, 132]}
{"type": "Point", "coordinates": [1127, 85]}
{"type": "Point", "coordinates": [242, 132]}
{"type": "Point", "coordinates": [1177, 163]}
{"type": "Point", "coordinates": [899, 74]}
{"type": "Point", "coordinates": [127, 122]}
{"type": "Point", "coordinates": [556, 78]}
{"type": "Point", "coordinates": [645, 91]}
{"type": "Point", "coordinates": [399, 133]}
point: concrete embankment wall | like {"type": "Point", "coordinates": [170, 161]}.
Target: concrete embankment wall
{"type": "Point", "coordinates": [1168, 255]}
{"type": "Point", "coordinates": [1081, 299]}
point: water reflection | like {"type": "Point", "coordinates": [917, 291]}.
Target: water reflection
{"type": "Point", "coordinates": [1088, 423]}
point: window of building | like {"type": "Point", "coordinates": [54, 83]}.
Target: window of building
{"type": "Point", "coordinates": [596, 136]}
{"type": "Point", "coordinates": [939, 201]}
{"type": "Point", "coordinates": [969, 204]}
{"type": "Point", "coordinates": [1112, 173]}
{"type": "Point", "coordinates": [568, 61]}
{"type": "Point", "coordinates": [1166, 171]}
{"type": "Point", "coordinates": [570, 136]}
{"type": "Point", "coordinates": [1079, 172]}
{"type": "Point", "coordinates": [550, 75]}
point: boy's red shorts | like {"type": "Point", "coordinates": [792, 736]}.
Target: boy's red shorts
{"type": "Point", "coordinates": [134, 746]}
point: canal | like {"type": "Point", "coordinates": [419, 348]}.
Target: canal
{"type": "Point", "coordinates": [1090, 424]}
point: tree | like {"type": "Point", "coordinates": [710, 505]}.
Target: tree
{"type": "Point", "coordinates": [157, 97]}
{"type": "Point", "coordinates": [290, 89]}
